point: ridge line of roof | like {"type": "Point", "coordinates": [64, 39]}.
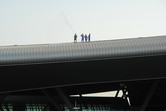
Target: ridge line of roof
{"type": "Point", "coordinates": [85, 42]}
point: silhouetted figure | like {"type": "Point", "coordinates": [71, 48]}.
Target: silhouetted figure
{"type": "Point", "coordinates": [86, 37]}
{"type": "Point", "coordinates": [75, 38]}
{"type": "Point", "coordinates": [82, 37]}
{"type": "Point", "coordinates": [89, 37]}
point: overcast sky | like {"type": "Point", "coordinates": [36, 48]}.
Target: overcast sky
{"type": "Point", "coordinates": [56, 21]}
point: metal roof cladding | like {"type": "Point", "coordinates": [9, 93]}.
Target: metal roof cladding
{"type": "Point", "coordinates": [70, 52]}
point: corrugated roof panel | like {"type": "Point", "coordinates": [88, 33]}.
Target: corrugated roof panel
{"type": "Point", "coordinates": [29, 54]}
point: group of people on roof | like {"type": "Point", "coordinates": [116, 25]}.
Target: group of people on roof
{"type": "Point", "coordinates": [83, 37]}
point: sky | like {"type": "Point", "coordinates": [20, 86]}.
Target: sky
{"type": "Point", "coordinates": [25, 22]}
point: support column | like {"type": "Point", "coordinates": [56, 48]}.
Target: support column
{"type": "Point", "coordinates": [1, 107]}
{"type": "Point", "coordinates": [6, 106]}
{"type": "Point", "coordinates": [80, 102]}
{"type": "Point", "coordinates": [124, 90]}
{"type": "Point", "coordinates": [45, 108]}
{"type": "Point", "coordinates": [62, 95]}
{"type": "Point", "coordinates": [149, 96]}
{"type": "Point", "coordinates": [2, 97]}
{"type": "Point", "coordinates": [53, 101]}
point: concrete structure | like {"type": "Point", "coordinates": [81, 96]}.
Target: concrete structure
{"type": "Point", "coordinates": [135, 66]}
{"type": "Point", "coordinates": [70, 52]}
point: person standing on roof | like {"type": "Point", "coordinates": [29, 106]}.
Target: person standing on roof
{"type": "Point", "coordinates": [89, 37]}
{"type": "Point", "coordinates": [82, 37]}
{"type": "Point", "coordinates": [75, 38]}
{"type": "Point", "coordinates": [86, 37]}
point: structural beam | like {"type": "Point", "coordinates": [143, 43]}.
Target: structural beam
{"type": "Point", "coordinates": [6, 106]}
{"type": "Point", "coordinates": [124, 94]}
{"type": "Point", "coordinates": [2, 97]}
{"type": "Point", "coordinates": [1, 109]}
{"type": "Point", "coordinates": [149, 95]}
{"type": "Point", "coordinates": [53, 101]}
{"type": "Point", "coordinates": [124, 90]}
{"type": "Point", "coordinates": [80, 102]}
{"type": "Point", "coordinates": [62, 95]}
{"type": "Point", "coordinates": [117, 93]}
{"type": "Point", "coordinates": [45, 108]}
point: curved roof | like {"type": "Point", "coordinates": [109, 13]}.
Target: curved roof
{"type": "Point", "coordinates": [32, 54]}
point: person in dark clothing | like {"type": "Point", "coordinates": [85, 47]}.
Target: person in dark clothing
{"type": "Point", "coordinates": [75, 38]}
{"type": "Point", "coordinates": [89, 37]}
{"type": "Point", "coordinates": [86, 37]}
{"type": "Point", "coordinates": [82, 37]}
